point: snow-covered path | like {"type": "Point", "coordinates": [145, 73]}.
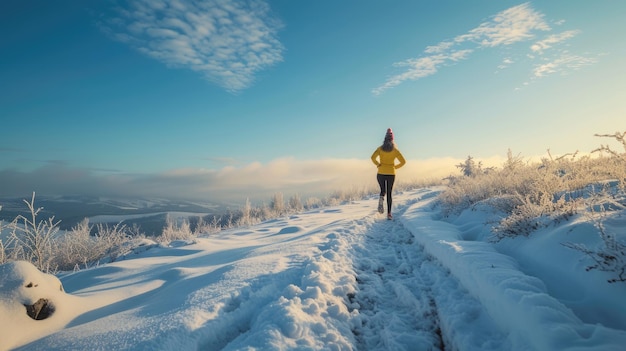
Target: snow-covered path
{"type": "Point", "coordinates": [400, 291]}
{"type": "Point", "coordinates": [396, 306]}
{"type": "Point", "coordinates": [340, 278]}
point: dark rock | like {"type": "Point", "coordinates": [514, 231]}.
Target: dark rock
{"type": "Point", "coordinates": [41, 309]}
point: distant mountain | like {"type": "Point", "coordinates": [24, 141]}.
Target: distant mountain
{"type": "Point", "coordinates": [148, 214]}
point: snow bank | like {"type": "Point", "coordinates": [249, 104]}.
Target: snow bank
{"type": "Point", "coordinates": [339, 278]}
{"type": "Point", "coordinates": [21, 284]}
{"type": "Point", "coordinates": [519, 303]}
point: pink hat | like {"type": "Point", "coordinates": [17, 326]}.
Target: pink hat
{"type": "Point", "coordinates": [389, 134]}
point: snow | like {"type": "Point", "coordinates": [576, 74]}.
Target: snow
{"type": "Point", "coordinates": [338, 278]}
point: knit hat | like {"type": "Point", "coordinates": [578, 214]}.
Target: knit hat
{"type": "Point", "coordinates": [389, 134]}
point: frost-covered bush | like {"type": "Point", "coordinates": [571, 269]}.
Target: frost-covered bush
{"type": "Point", "coordinates": [31, 239]}
{"type": "Point", "coordinates": [76, 247]}
{"type": "Point", "coordinates": [41, 243]}
{"type": "Point", "coordinates": [79, 248]}
{"type": "Point", "coordinates": [611, 255]}
{"type": "Point", "coordinates": [174, 230]}
{"type": "Point", "coordinates": [618, 168]}
{"type": "Point", "coordinates": [207, 227]}
{"type": "Point", "coordinates": [532, 194]}
{"type": "Point", "coordinates": [536, 195]}
{"type": "Point", "coordinates": [5, 245]}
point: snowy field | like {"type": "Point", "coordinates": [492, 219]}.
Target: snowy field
{"type": "Point", "coordinates": [339, 278]}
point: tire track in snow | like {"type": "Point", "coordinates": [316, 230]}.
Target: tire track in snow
{"type": "Point", "coordinates": [396, 307]}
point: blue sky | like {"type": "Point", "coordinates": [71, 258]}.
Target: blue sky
{"type": "Point", "coordinates": [216, 98]}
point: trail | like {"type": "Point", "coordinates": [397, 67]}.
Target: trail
{"type": "Point", "coordinates": [400, 289]}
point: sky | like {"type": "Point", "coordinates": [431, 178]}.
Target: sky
{"type": "Point", "coordinates": [338, 278]}
{"type": "Point", "coordinates": [228, 99]}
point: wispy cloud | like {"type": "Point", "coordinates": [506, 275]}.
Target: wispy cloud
{"type": "Point", "coordinates": [555, 59]}
{"type": "Point", "coordinates": [564, 63]}
{"type": "Point", "coordinates": [510, 26]}
{"type": "Point", "coordinates": [228, 42]}
{"type": "Point", "coordinates": [421, 67]}
{"type": "Point", "coordinates": [514, 25]}
{"type": "Point", "coordinates": [506, 63]}
{"type": "Point", "coordinates": [551, 40]}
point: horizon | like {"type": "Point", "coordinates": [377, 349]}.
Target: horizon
{"type": "Point", "coordinates": [233, 101]}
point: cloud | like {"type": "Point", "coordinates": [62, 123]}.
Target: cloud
{"type": "Point", "coordinates": [228, 42]}
{"type": "Point", "coordinates": [510, 26]}
{"type": "Point", "coordinates": [547, 43]}
{"type": "Point", "coordinates": [256, 181]}
{"type": "Point", "coordinates": [514, 25]}
{"type": "Point", "coordinates": [421, 67]}
{"type": "Point", "coordinates": [559, 60]}
{"type": "Point", "coordinates": [506, 63]}
{"type": "Point", "coordinates": [562, 64]}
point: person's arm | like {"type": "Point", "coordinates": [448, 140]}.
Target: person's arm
{"type": "Point", "coordinates": [375, 156]}
{"type": "Point", "coordinates": [401, 159]}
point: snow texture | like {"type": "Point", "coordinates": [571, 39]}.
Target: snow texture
{"type": "Point", "coordinates": [339, 278]}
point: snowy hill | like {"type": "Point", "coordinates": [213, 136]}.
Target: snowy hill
{"type": "Point", "coordinates": [148, 214]}
{"type": "Point", "coordinates": [338, 278]}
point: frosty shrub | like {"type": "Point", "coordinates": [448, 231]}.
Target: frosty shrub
{"type": "Point", "coordinates": [112, 240]}
{"type": "Point", "coordinates": [531, 195]}
{"type": "Point", "coordinates": [277, 204]}
{"type": "Point", "coordinates": [247, 215]}
{"type": "Point", "coordinates": [295, 204]}
{"type": "Point", "coordinates": [176, 231]}
{"type": "Point", "coordinates": [470, 168]}
{"type": "Point", "coordinates": [5, 245]}
{"type": "Point", "coordinates": [32, 239]}
{"type": "Point", "coordinates": [313, 202]}
{"type": "Point", "coordinates": [610, 257]}
{"type": "Point", "coordinates": [207, 227]}
{"type": "Point", "coordinates": [50, 250]}
{"type": "Point", "coordinates": [78, 248]}
{"type": "Point", "coordinates": [348, 195]}
{"type": "Point", "coordinates": [618, 168]}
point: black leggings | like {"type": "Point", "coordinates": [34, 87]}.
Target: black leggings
{"type": "Point", "coordinates": [386, 187]}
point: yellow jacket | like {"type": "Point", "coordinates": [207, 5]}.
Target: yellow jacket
{"type": "Point", "coordinates": [386, 161]}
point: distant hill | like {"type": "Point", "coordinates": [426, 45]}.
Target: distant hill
{"type": "Point", "coordinates": [148, 214]}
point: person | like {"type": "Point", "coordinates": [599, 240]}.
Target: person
{"type": "Point", "coordinates": [384, 157]}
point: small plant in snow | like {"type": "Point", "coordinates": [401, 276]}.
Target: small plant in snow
{"type": "Point", "coordinates": [470, 168]}
{"type": "Point", "coordinates": [33, 240]}
{"type": "Point", "coordinates": [175, 231]}
{"type": "Point", "coordinates": [204, 227]}
{"type": "Point", "coordinates": [246, 218]}
{"type": "Point", "coordinates": [611, 257]}
{"type": "Point", "coordinates": [76, 248]}
{"type": "Point", "coordinates": [5, 253]}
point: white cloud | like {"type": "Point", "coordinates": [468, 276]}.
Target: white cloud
{"type": "Point", "coordinates": [506, 63]}
{"type": "Point", "coordinates": [420, 68]}
{"type": "Point", "coordinates": [513, 25]}
{"type": "Point", "coordinates": [228, 42]}
{"type": "Point", "coordinates": [552, 40]}
{"type": "Point", "coordinates": [439, 48]}
{"type": "Point", "coordinates": [562, 64]}
{"type": "Point", "coordinates": [516, 24]}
